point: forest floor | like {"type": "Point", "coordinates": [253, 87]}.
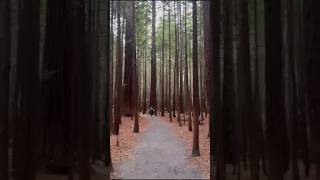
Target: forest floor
{"type": "Point", "coordinates": [127, 141]}
{"type": "Point", "coordinates": [202, 161]}
{"type": "Point", "coordinates": [159, 153]}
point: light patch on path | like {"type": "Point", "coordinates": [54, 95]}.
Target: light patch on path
{"type": "Point", "coordinates": [159, 154]}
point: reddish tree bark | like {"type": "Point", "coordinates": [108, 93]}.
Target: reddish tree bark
{"type": "Point", "coordinates": [153, 90]}
{"type": "Point", "coordinates": [4, 84]}
{"type": "Point", "coordinates": [196, 105]}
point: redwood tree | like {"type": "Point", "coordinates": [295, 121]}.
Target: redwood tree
{"type": "Point", "coordinates": [188, 94]}
{"type": "Point", "coordinates": [135, 83]}
{"type": "Point", "coordinates": [109, 59]}
{"type": "Point", "coordinates": [196, 105]}
{"type": "Point", "coordinates": [127, 105]}
{"type": "Point", "coordinates": [4, 84]}
{"type": "Point", "coordinates": [207, 51]}
{"type": "Point", "coordinates": [170, 97]}
{"type": "Point", "coordinates": [28, 86]}
{"type": "Point", "coordinates": [118, 81]}
{"type": "Point", "coordinates": [153, 90]}
{"type": "Point", "coordinates": [216, 145]}
{"type": "Point", "coordinates": [312, 19]}
{"type": "Point", "coordinates": [180, 82]}
{"type": "Point", "coordinates": [162, 65]}
{"type": "Point", "coordinates": [275, 112]}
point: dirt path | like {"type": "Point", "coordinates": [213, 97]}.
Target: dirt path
{"type": "Point", "coordinates": [158, 155]}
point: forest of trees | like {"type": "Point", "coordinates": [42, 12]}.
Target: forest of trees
{"type": "Point", "coordinates": [70, 69]}
{"type": "Point", "coordinates": [264, 107]}
{"type": "Point", "coordinates": [53, 80]}
{"type": "Point", "coordinates": [154, 75]}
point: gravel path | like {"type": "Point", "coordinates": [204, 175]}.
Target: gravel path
{"type": "Point", "coordinates": [159, 154]}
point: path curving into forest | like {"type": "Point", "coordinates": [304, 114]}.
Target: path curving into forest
{"type": "Point", "coordinates": [159, 154]}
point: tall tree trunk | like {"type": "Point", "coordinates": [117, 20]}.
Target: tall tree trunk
{"type": "Point", "coordinates": [85, 87]}
{"type": "Point", "coordinates": [188, 96]}
{"type": "Point", "coordinates": [145, 76]}
{"type": "Point", "coordinates": [96, 79]}
{"type": "Point", "coordinates": [4, 84]}
{"type": "Point", "coordinates": [257, 94]}
{"type": "Point", "coordinates": [128, 71]}
{"type": "Point", "coordinates": [180, 68]}
{"type": "Point", "coordinates": [153, 90]}
{"type": "Point", "coordinates": [190, 74]}
{"type": "Point", "coordinates": [301, 91]}
{"type": "Point", "coordinates": [256, 102]}
{"type": "Point", "coordinates": [228, 84]}
{"type": "Point", "coordinates": [175, 62]}
{"type": "Point", "coordinates": [195, 147]}
{"type": "Point", "coordinates": [118, 86]}
{"type": "Point", "coordinates": [13, 90]}
{"type": "Point", "coordinates": [312, 18]}
{"type": "Point", "coordinates": [246, 83]}
{"type": "Point", "coordinates": [200, 83]}
{"type": "Point", "coordinates": [178, 65]}
{"type": "Point", "coordinates": [167, 99]}
{"type": "Point", "coordinates": [135, 84]}
{"type": "Point", "coordinates": [170, 97]}
{"type": "Point", "coordinates": [28, 85]}
{"type": "Point", "coordinates": [111, 68]}
{"type": "Point", "coordinates": [162, 65]}
{"type": "Point", "coordinates": [276, 129]}
{"type": "Point", "coordinates": [217, 153]}
{"type": "Point", "coordinates": [201, 59]}
{"type": "Point", "coordinates": [207, 52]}
{"type": "Point", "coordinates": [55, 68]}
{"type": "Point", "coordinates": [109, 96]}
{"type": "Point", "coordinates": [291, 86]}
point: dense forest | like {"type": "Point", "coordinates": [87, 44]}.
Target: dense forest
{"type": "Point", "coordinates": [247, 70]}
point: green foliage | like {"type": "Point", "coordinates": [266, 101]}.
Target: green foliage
{"type": "Point", "coordinates": [143, 16]}
{"type": "Point", "coordinates": [143, 23]}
